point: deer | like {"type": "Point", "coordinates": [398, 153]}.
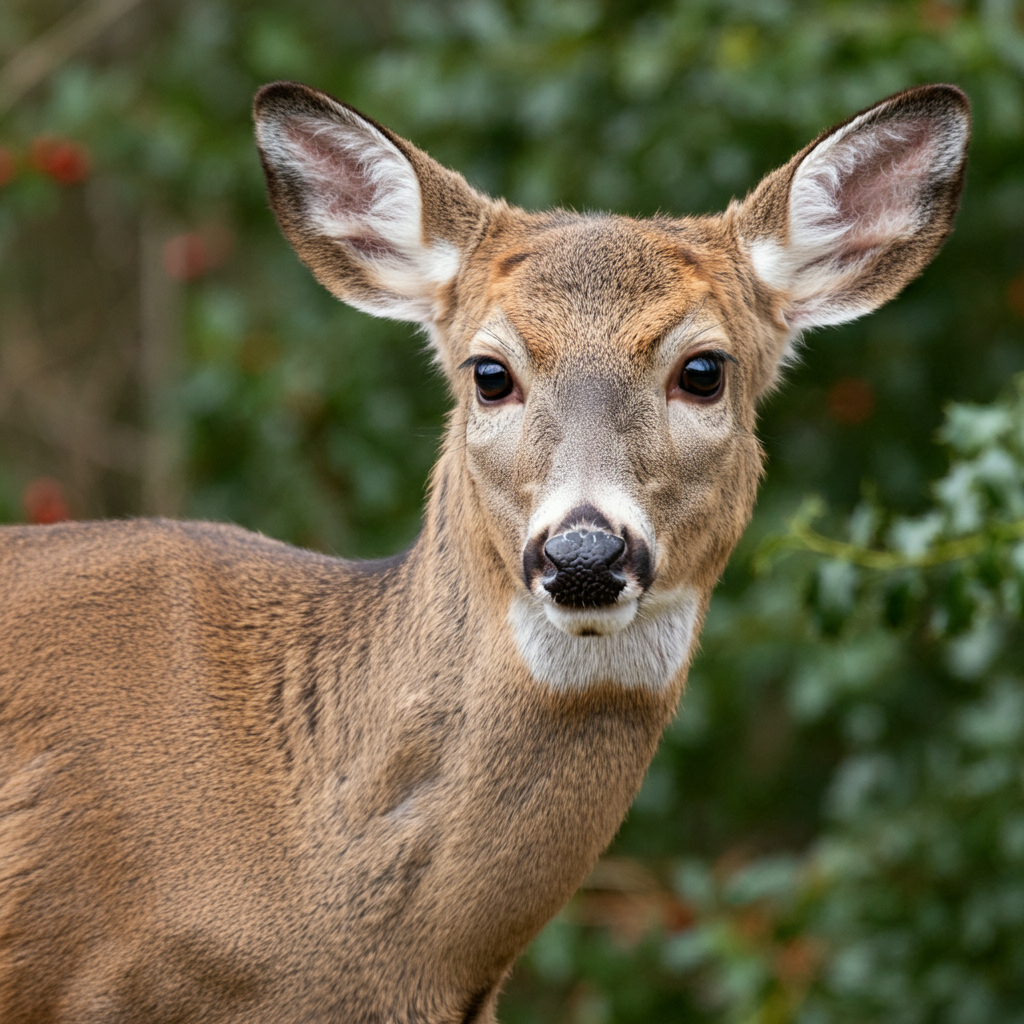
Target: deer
{"type": "Point", "coordinates": [244, 782]}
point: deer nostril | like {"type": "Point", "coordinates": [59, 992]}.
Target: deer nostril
{"type": "Point", "coordinates": [583, 575]}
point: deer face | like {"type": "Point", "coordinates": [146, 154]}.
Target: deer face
{"type": "Point", "coordinates": [607, 369]}
{"type": "Point", "coordinates": [608, 420]}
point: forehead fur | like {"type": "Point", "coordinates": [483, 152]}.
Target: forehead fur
{"type": "Point", "coordinates": [608, 281]}
{"type": "Point", "coordinates": [597, 278]}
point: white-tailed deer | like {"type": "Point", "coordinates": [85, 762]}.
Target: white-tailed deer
{"type": "Point", "coordinates": [244, 782]}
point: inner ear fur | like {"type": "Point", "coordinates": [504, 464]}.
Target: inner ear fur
{"type": "Point", "coordinates": [859, 213]}
{"type": "Point", "coordinates": [381, 225]}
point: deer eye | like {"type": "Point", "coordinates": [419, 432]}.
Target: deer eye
{"type": "Point", "coordinates": [701, 375]}
{"type": "Point", "coordinates": [493, 381]}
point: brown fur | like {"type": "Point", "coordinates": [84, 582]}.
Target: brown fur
{"type": "Point", "coordinates": [244, 782]}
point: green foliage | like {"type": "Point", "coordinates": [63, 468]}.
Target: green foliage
{"type": "Point", "coordinates": [833, 828]}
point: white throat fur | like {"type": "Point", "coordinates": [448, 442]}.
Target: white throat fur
{"type": "Point", "coordinates": [646, 653]}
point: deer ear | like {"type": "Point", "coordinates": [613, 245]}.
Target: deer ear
{"type": "Point", "coordinates": [851, 219]}
{"type": "Point", "coordinates": [380, 224]}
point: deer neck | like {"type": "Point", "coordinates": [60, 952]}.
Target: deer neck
{"type": "Point", "coordinates": [448, 765]}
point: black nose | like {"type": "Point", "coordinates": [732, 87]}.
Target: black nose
{"type": "Point", "coordinates": [583, 576]}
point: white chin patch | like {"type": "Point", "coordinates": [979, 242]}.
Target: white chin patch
{"type": "Point", "coordinates": [637, 645]}
{"type": "Point", "coordinates": [591, 621]}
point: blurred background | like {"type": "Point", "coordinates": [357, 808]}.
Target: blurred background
{"type": "Point", "coordinates": [833, 829]}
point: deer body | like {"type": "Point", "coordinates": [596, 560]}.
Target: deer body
{"type": "Point", "coordinates": [242, 782]}
{"type": "Point", "coordinates": [353, 773]}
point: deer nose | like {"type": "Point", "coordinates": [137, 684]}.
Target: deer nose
{"type": "Point", "coordinates": [584, 576]}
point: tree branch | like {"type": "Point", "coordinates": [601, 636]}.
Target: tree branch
{"type": "Point", "coordinates": [39, 59]}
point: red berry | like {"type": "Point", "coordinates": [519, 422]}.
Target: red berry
{"type": "Point", "coordinates": [44, 502]}
{"type": "Point", "coordinates": [186, 257]}
{"type": "Point", "coordinates": [851, 400]}
{"type": "Point", "coordinates": [1015, 294]}
{"type": "Point", "coordinates": [192, 254]}
{"type": "Point", "coordinates": [65, 161]}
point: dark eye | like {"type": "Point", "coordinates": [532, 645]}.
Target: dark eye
{"type": "Point", "coordinates": [702, 375]}
{"type": "Point", "coordinates": [493, 381]}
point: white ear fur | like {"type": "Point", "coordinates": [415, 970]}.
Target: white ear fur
{"type": "Point", "coordinates": [858, 194]}
{"type": "Point", "coordinates": [360, 191]}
